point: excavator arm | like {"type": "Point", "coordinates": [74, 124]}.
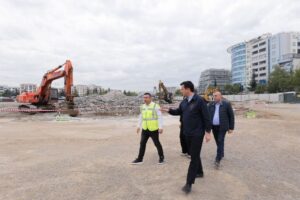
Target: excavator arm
{"type": "Point", "coordinates": [43, 92]}
{"type": "Point", "coordinates": [164, 94]}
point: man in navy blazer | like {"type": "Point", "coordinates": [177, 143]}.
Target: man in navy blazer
{"type": "Point", "coordinates": [196, 125]}
{"type": "Point", "coordinates": [222, 119]}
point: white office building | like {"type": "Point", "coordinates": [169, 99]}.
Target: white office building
{"type": "Point", "coordinates": [28, 87]}
{"type": "Point", "coordinates": [260, 55]}
{"type": "Point", "coordinates": [83, 90]}
{"type": "Point", "coordinates": [284, 48]}
{"type": "Point", "coordinates": [259, 58]}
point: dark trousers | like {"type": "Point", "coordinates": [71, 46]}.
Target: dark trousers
{"type": "Point", "coordinates": [144, 138]}
{"type": "Point", "coordinates": [219, 136]}
{"type": "Point", "coordinates": [195, 144]}
{"type": "Point", "coordinates": [183, 143]}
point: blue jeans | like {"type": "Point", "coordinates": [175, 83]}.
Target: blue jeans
{"type": "Point", "coordinates": [219, 136]}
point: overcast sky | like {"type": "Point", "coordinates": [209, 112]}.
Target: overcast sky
{"type": "Point", "coordinates": [131, 44]}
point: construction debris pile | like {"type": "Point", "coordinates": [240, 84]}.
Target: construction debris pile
{"type": "Point", "coordinates": [114, 103]}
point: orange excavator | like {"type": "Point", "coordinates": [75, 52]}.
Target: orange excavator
{"type": "Point", "coordinates": [42, 97]}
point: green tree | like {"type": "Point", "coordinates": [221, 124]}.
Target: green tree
{"type": "Point", "coordinates": [102, 91]}
{"type": "Point", "coordinates": [253, 83]}
{"type": "Point", "coordinates": [236, 88]}
{"type": "Point", "coordinates": [215, 82]}
{"type": "Point", "coordinates": [7, 93]}
{"type": "Point", "coordinates": [228, 89]}
{"type": "Point", "coordinates": [177, 92]}
{"type": "Point", "coordinates": [296, 80]}
{"type": "Point", "coordinates": [129, 93]}
{"type": "Point", "coordinates": [95, 91]}
{"type": "Point", "coordinates": [260, 89]}
{"type": "Point", "coordinates": [280, 81]}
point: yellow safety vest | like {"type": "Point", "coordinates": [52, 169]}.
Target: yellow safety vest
{"type": "Point", "coordinates": [149, 116]}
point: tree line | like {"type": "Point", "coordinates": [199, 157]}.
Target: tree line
{"type": "Point", "coordinates": [280, 80]}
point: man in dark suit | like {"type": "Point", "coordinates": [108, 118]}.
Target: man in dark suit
{"type": "Point", "coordinates": [184, 148]}
{"type": "Point", "coordinates": [195, 126]}
{"type": "Point", "coordinates": [222, 119]}
{"type": "Point", "coordinates": [183, 142]}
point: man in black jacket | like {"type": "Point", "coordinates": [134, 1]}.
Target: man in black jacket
{"type": "Point", "coordinates": [222, 119]}
{"type": "Point", "coordinates": [195, 125]}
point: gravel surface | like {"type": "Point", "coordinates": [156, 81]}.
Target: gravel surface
{"type": "Point", "coordinates": [42, 157]}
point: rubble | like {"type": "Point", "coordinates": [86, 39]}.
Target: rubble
{"type": "Point", "coordinates": [240, 109]}
{"type": "Point", "coordinates": [114, 103]}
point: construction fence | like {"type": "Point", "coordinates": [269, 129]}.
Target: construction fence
{"type": "Point", "coordinates": [285, 97]}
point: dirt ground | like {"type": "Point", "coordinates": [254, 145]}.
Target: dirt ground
{"type": "Point", "coordinates": [88, 158]}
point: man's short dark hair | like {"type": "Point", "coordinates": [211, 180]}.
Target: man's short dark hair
{"type": "Point", "coordinates": [147, 93]}
{"type": "Point", "coordinates": [188, 84]}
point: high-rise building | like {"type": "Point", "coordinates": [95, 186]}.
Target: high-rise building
{"type": "Point", "coordinates": [284, 48]}
{"type": "Point", "coordinates": [259, 56]}
{"type": "Point", "coordinates": [238, 63]}
{"type": "Point", "coordinates": [212, 77]}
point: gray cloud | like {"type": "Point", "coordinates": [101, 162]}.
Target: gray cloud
{"type": "Point", "coordinates": [131, 44]}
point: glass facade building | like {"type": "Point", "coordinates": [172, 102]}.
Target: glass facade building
{"type": "Point", "coordinates": [238, 63]}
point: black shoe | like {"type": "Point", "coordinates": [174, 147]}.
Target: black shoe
{"type": "Point", "coordinates": [137, 162]}
{"type": "Point", "coordinates": [161, 161]}
{"type": "Point", "coordinates": [219, 158]}
{"type": "Point", "coordinates": [200, 175]}
{"type": "Point", "coordinates": [187, 188]}
{"type": "Point", "coordinates": [217, 163]}
{"type": "Point", "coordinates": [183, 154]}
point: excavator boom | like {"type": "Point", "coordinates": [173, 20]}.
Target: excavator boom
{"type": "Point", "coordinates": [164, 94]}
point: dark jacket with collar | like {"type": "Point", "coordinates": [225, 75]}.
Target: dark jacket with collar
{"type": "Point", "coordinates": [226, 115]}
{"type": "Point", "coordinates": [194, 116]}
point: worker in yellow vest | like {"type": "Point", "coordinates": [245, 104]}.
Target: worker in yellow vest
{"type": "Point", "coordinates": [150, 120]}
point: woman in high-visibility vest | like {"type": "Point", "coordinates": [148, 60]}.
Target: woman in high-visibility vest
{"type": "Point", "coordinates": [150, 120]}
